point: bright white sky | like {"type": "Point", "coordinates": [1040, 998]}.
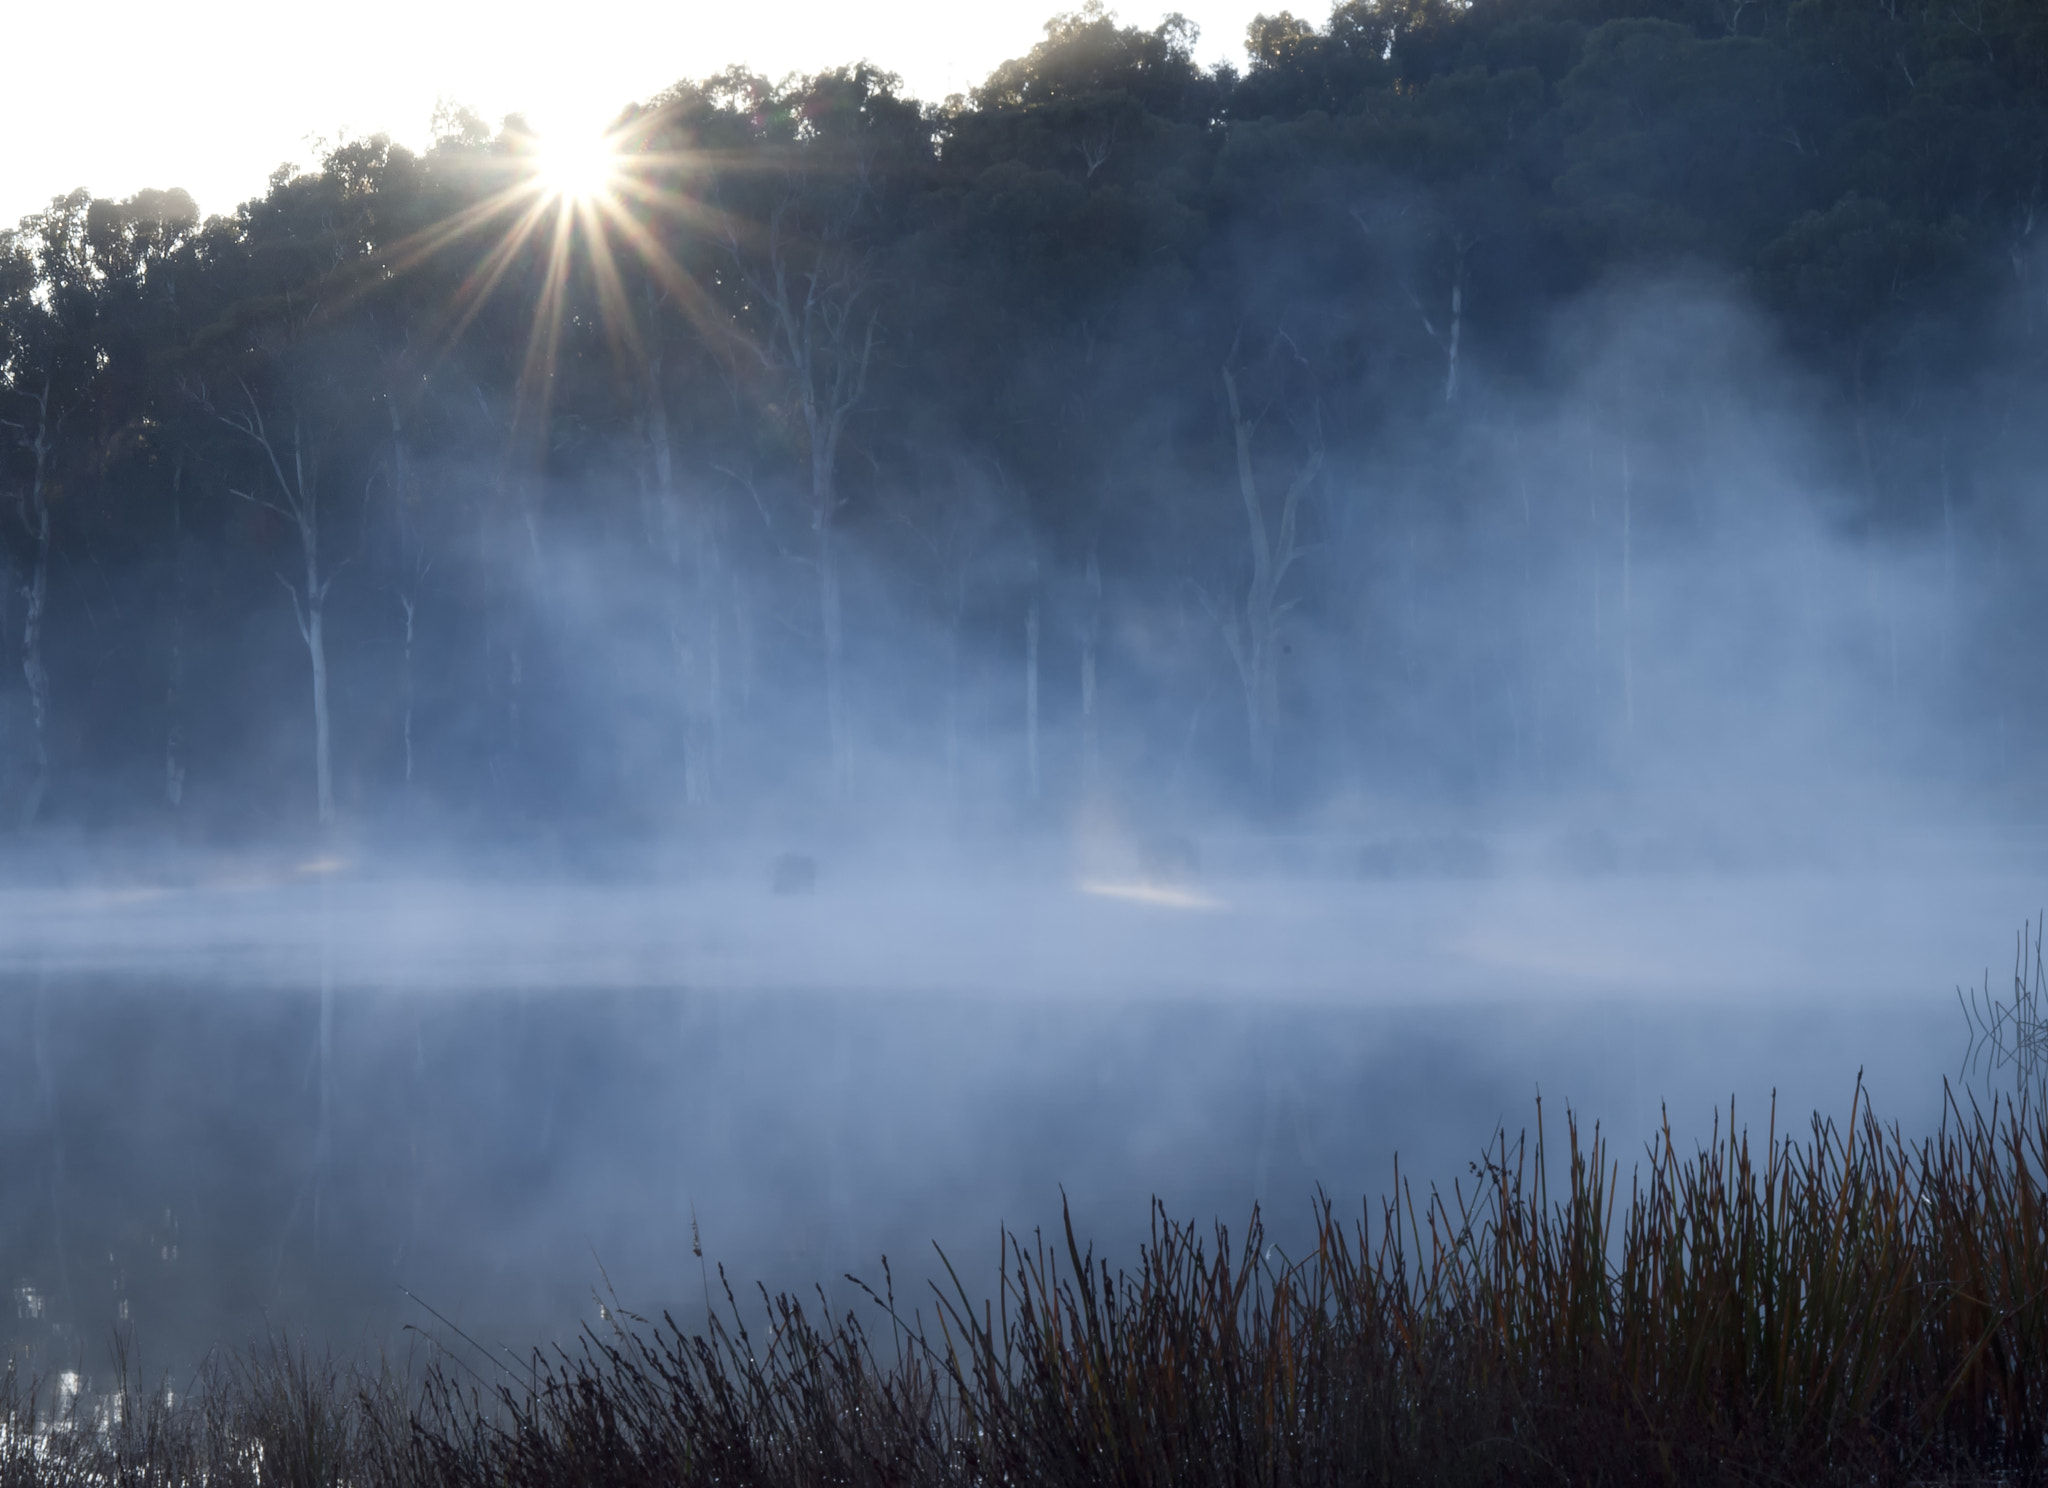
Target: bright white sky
{"type": "Point", "coordinates": [213, 95]}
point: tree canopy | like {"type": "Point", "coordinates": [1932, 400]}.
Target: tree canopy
{"type": "Point", "coordinates": [1391, 417]}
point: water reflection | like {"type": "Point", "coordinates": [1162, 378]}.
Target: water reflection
{"type": "Point", "coordinates": [217, 1147]}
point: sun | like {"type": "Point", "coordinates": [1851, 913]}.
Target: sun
{"type": "Point", "coordinates": [580, 211]}
{"type": "Point", "coordinates": [575, 166]}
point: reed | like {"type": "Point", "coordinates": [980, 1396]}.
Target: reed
{"type": "Point", "coordinates": [1845, 1305]}
{"type": "Point", "coordinates": [1840, 1305]}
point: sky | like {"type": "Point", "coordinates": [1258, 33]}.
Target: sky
{"type": "Point", "coordinates": [213, 96]}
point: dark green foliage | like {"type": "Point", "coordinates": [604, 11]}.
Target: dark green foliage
{"type": "Point", "coordinates": [1047, 278]}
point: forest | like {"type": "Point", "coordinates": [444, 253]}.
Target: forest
{"type": "Point", "coordinates": [1482, 403]}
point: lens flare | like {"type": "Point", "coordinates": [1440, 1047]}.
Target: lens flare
{"type": "Point", "coordinates": [568, 213]}
{"type": "Point", "coordinates": [576, 167]}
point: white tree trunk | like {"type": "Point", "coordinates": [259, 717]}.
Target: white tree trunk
{"type": "Point", "coordinates": [174, 677]}
{"type": "Point", "coordinates": [406, 684]}
{"type": "Point", "coordinates": [1253, 630]}
{"type": "Point", "coordinates": [313, 627]}
{"type": "Point", "coordinates": [298, 500]}
{"type": "Point", "coordinates": [693, 622]}
{"type": "Point", "coordinates": [832, 626]}
{"type": "Point", "coordinates": [323, 750]}
{"type": "Point", "coordinates": [37, 594]}
{"type": "Point", "coordinates": [1948, 567]}
{"type": "Point", "coordinates": [710, 692]}
{"type": "Point", "coordinates": [32, 667]}
{"type": "Point", "coordinates": [818, 342]}
{"type": "Point", "coordinates": [1455, 339]}
{"type": "Point", "coordinates": [1031, 774]}
{"type": "Point", "coordinates": [743, 639]}
{"type": "Point", "coordinates": [953, 648]}
{"type": "Point", "coordinates": [824, 524]}
{"type": "Point", "coordinates": [1628, 627]}
{"type": "Point", "coordinates": [1091, 732]}
{"type": "Point", "coordinates": [1254, 649]}
{"type": "Point", "coordinates": [412, 569]}
{"type": "Point", "coordinates": [1597, 545]}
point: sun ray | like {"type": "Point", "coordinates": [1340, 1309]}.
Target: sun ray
{"type": "Point", "coordinates": [595, 214]}
{"type": "Point", "coordinates": [689, 294]}
{"type": "Point", "coordinates": [477, 286]}
{"type": "Point", "coordinates": [684, 209]}
{"type": "Point", "coordinates": [621, 325]}
{"type": "Point", "coordinates": [410, 252]}
{"type": "Point", "coordinates": [543, 345]}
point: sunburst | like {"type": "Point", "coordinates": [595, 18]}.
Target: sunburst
{"type": "Point", "coordinates": [575, 196]}
{"type": "Point", "coordinates": [574, 166]}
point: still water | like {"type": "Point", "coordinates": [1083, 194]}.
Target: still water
{"type": "Point", "coordinates": [315, 1101]}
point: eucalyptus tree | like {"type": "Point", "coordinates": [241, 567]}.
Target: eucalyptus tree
{"type": "Point", "coordinates": [807, 259]}
{"type": "Point", "coordinates": [33, 365]}
{"type": "Point", "coordinates": [141, 249]}
{"type": "Point", "coordinates": [1252, 621]}
{"type": "Point", "coordinates": [282, 382]}
{"type": "Point", "coordinates": [399, 322]}
{"type": "Point", "coordinates": [651, 260]}
{"type": "Point", "coordinates": [835, 303]}
{"type": "Point", "coordinates": [680, 531]}
{"type": "Point", "coordinates": [289, 452]}
{"type": "Point", "coordinates": [50, 360]}
{"type": "Point", "coordinates": [411, 553]}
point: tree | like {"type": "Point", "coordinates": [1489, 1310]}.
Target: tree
{"type": "Point", "coordinates": [681, 532]}
{"type": "Point", "coordinates": [813, 277]}
{"type": "Point", "coordinates": [952, 522]}
{"type": "Point", "coordinates": [822, 339]}
{"type": "Point", "coordinates": [288, 482]}
{"type": "Point", "coordinates": [1252, 624]}
{"type": "Point", "coordinates": [37, 435]}
{"type": "Point", "coordinates": [140, 248]}
{"type": "Point", "coordinates": [413, 561]}
{"type": "Point", "coordinates": [49, 307]}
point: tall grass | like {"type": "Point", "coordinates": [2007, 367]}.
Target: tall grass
{"type": "Point", "coordinates": [1841, 1305]}
{"type": "Point", "coordinates": [271, 1415]}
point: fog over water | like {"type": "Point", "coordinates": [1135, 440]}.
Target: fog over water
{"type": "Point", "coordinates": [415, 1075]}
{"type": "Point", "coordinates": [1643, 719]}
{"type": "Point", "coordinates": [315, 1097]}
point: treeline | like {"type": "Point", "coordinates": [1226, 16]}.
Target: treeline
{"type": "Point", "coordinates": [1126, 430]}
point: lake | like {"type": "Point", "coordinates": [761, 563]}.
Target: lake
{"type": "Point", "coordinates": [310, 1097]}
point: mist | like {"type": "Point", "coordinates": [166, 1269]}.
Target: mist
{"type": "Point", "coordinates": [1247, 714]}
